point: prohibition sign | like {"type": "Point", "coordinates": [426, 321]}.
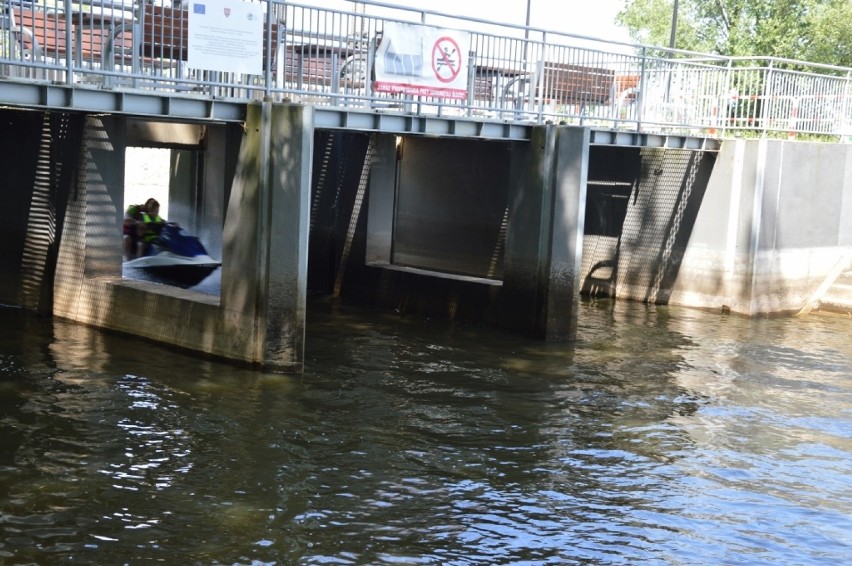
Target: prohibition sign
{"type": "Point", "coordinates": [446, 59]}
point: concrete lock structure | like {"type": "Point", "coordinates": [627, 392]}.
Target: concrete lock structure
{"type": "Point", "coordinates": [510, 232]}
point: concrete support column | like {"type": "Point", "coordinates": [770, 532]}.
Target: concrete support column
{"type": "Point", "coordinates": [544, 239]}
{"type": "Point", "coordinates": [265, 248]}
{"type": "Point", "coordinates": [571, 167]}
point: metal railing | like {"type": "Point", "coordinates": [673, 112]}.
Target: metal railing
{"type": "Point", "coordinates": [327, 57]}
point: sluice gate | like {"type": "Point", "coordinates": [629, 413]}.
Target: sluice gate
{"type": "Point", "coordinates": [435, 241]}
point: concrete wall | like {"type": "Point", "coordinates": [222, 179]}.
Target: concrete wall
{"type": "Point", "coordinates": [774, 224]}
{"type": "Point", "coordinates": [756, 230]}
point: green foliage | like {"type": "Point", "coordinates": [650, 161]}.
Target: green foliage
{"type": "Point", "coordinates": [831, 41]}
{"type": "Point", "coordinates": [819, 31]}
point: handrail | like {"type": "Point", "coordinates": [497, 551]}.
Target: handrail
{"type": "Point", "coordinates": [325, 57]}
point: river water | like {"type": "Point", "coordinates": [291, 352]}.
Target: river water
{"type": "Point", "coordinates": [663, 436]}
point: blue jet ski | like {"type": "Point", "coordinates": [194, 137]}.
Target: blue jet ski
{"type": "Point", "coordinates": [175, 258]}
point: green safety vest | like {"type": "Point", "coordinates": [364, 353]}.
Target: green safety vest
{"type": "Point", "coordinates": [133, 211]}
{"type": "Point", "coordinates": [153, 225]}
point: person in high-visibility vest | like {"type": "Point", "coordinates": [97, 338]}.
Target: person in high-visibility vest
{"type": "Point", "coordinates": [142, 225]}
{"type": "Point", "coordinates": [133, 230]}
{"type": "Point", "coordinates": [151, 223]}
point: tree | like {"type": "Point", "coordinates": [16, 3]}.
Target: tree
{"type": "Point", "coordinates": [832, 34]}
{"type": "Point", "coordinates": [819, 31]}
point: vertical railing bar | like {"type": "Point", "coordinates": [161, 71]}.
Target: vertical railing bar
{"type": "Point", "coordinates": [767, 106]}
{"type": "Point", "coordinates": [540, 72]}
{"type": "Point", "coordinates": [844, 109]}
{"type": "Point", "coordinates": [268, 56]}
{"type": "Point", "coordinates": [69, 43]}
{"type": "Point", "coordinates": [643, 85]}
{"type": "Point", "coordinates": [728, 97]}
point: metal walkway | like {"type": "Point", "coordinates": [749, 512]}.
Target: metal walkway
{"type": "Point", "coordinates": [486, 79]}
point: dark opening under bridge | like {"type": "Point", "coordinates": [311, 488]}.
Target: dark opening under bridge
{"type": "Point", "coordinates": [529, 167]}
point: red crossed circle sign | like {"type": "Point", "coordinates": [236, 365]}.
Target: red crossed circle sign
{"type": "Point", "coordinates": [446, 59]}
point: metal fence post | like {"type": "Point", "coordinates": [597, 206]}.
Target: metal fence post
{"type": "Point", "coordinates": [767, 98]}
{"type": "Point", "coordinates": [268, 55]}
{"type": "Point", "coordinates": [643, 83]}
{"type": "Point", "coordinates": [537, 84]}
{"type": "Point", "coordinates": [842, 128]}
{"type": "Point", "coordinates": [69, 42]}
{"type": "Point", "coordinates": [728, 97]}
{"type": "Point", "coordinates": [471, 81]}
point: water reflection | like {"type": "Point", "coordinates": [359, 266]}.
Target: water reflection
{"type": "Point", "coordinates": [664, 436]}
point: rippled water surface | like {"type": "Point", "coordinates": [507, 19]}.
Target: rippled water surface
{"type": "Point", "coordinates": [663, 436]}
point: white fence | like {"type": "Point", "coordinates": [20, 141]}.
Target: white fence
{"type": "Point", "coordinates": [511, 73]}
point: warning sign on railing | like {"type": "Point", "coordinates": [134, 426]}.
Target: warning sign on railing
{"type": "Point", "coordinates": [422, 60]}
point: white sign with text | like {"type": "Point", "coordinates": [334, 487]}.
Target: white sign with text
{"type": "Point", "coordinates": [226, 35]}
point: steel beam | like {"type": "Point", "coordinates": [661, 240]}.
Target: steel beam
{"type": "Point", "coordinates": [62, 97]}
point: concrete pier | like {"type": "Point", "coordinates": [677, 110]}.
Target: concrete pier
{"type": "Point", "coordinates": [544, 239]}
